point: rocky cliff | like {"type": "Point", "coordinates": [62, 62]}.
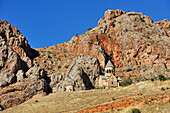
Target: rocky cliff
{"type": "Point", "coordinates": [138, 47]}
{"type": "Point", "coordinates": [20, 79]}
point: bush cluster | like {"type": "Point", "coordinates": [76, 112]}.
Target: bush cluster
{"type": "Point", "coordinates": [126, 82]}
{"type": "Point", "coordinates": [161, 77]}
{"type": "Point", "coordinates": [113, 25]}
{"type": "Point", "coordinates": [135, 110]}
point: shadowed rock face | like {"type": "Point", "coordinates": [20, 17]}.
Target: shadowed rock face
{"type": "Point", "coordinates": [20, 79]}
{"type": "Point", "coordinates": [138, 47]}
{"type": "Point", "coordinates": [82, 73]}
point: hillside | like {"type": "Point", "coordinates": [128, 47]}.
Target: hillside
{"type": "Point", "coordinates": [138, 47]}
{"type": "Point", "coordinates": [149, 97]}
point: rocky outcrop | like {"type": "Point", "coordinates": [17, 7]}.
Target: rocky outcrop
{"type": "Point", "coordinates": [82, 73]}
{"type": "Point", "coordinates": [138, 47]}
{"type": "Point", "coordinates": [18, 75]}
{"type": "Point", "coordinates": [165, 24]}
{"type": "Point", "coordinates": [131, 40]}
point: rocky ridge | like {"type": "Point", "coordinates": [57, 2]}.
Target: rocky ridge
{"type": "Point", "coordinates": [20, 79]}
{"type": "Point", "coordinates": [138, 47]}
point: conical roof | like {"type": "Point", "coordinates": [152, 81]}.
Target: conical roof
{"type": "Point", "coordinates": [109, 64]}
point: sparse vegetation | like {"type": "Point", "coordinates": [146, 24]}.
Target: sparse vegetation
{"type": "Point", "coordinates": [49, 52]}
{"type": "Point", "coordinates": [135, 110]}
{"type": "Point", "coordinates": [59, 67]}
{"type": "Point", "coordinates": [54, 102]}
{"type": "Point", "coordinates": [168, 27]}
{"type": "Point", "coordinates": [161, 77]}
{"type": "Point", "coordinates": [77, 35]}
{"type": "Point", "coordinates": [89, 29]}
{"type": "Point", "coordinates": [113, 25]}
{"type": "Point", "coordinates": [141, 19]}
{"type": "Point", "coordinates": [126, 82]}
{"type": "Point", "coordinates": [66, 66]}
{"type": "Point", "coordinates": [100, 27]}
{"type": "Point", "coordinates": [54, 54]}
{"type": "Point", "coordinates": [4, 106]}
{"type": "Point", "coordinates": [152, 79]}
{"type": "Point", "coordinates": [113, 98]}
{"type": "Point", "coordinates": [150, 25]}
{"type": "Point", "coordinates": [104, 33]}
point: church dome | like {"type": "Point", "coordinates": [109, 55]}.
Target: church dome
{"type": "Point", "coordinates": [109, 64]}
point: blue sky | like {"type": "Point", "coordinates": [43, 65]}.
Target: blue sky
{"type": "Point", "coordinates": [49, 22]}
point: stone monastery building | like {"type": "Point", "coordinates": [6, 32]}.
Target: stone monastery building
{"type": "Point", "coordinates": [109, 79]}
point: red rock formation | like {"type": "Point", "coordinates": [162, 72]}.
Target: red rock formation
{"type": "Point", "coordinates": [138, 47]}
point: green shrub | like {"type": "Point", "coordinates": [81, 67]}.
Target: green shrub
{"type": "Point", "coordinates": [66, 66]}
{"type": "Point", "coordinates": [54, 54]}
{"type": "Point", "coordinates": [113, 25]}
{"type": "Point", "coordinates": [135, 110]}
{"type": "Point", "coordinates": [141, 19]}
{"type": "Point", "coordinates": [126, 82]}
{"type": "Point", "coordinates": [104, 34]}
{"type": "Point", "coordinates": [89, 29]}
{"type": "Point", "coordinates": [113, 98]}
{"type": "Point", "coordinates": [162, 78]}
{"type": "Point", "coordinates": [152, 79]}
{"type": "Point", "coordinates": [49, 52]}
{"type": "Point", "coordinates": [77, 35]}
{"type": "Point", "coordinates": [168, 27]}
{"type": "Point", "coordinates": [150, 25]}
{"type": "Point", "coordinates": [4, 107]}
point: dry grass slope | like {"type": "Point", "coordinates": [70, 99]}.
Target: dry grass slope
{"type": "Point", "coordinates": [80, 100]}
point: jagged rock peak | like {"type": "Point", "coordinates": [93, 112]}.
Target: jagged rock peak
{"type": "Point", "coordinates": [110, 14]}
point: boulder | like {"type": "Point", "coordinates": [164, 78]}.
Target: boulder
{"type": "Point", "coordinates": [20, 76]}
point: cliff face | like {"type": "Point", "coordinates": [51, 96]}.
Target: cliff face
{"type": "Point", "coordinates": [20, 79]}
{"type": "Point", "coordinates": [138, 47]}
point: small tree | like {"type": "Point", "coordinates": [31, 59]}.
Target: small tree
{"type": "Point", "coordinates": [152, 79]}
{"type": "Point", "coordinates": [89, 29]}
{"type": "Point", "coordinates": [126, 82]}
{"type": "Point", "coordinates": [162, 78]}
{"type": "Point", "coordinates": [141, 19]}
{"type": "Point", "coordinates": [59, 67]}
{"type": "Point", "coordinates": [135, 110]}
{"type": "Point", "coordinates": [77, 35]}
{"type": "Point", "coordinates": [113, 25]}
